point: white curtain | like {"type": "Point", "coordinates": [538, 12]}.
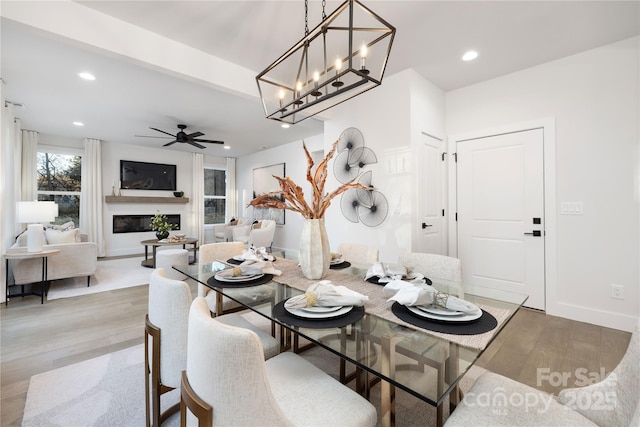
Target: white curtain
{"type": "Point", "coordinates": [91, 194]}
{"type": "Point", "coordinates": [198, 196]}
{"type": "Point", "coordinates": [231, 192]}
{"type": "Point", "coordinates": [29, 176]}
{"type": "Point", "coordinates": [9, 175]}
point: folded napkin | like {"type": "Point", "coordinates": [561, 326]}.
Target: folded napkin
{"type": "Point", "coordinates": [386, 273]}
{"type": "Point", "coordinates": [265, 267]}
{"type": "Point", "coordinates": [409, 294]}
{"type": "Point", "coordinates": [324, 294]}
{"type": "Point", "coordinates": [257, 254]}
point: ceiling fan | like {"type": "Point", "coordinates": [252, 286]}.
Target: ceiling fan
{"type": "Point", "coordinates": [183, 137]}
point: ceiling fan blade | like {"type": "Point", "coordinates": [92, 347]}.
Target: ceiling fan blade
{"type": "Point", "coordinates": [194, 135]}
{"type": "Point", "coordinates": [208, 140]}
{"type": "Point", "coordinates": [202, 147]}
{"type": "Point", "coordinates": [158, 130]}
{"type": "Point", "coordinates": [149, 136]}
{"type": "Point", "coordinates": [169, 143]}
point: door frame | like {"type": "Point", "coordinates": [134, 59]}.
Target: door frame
{"type": "Point", "coordinates": [548, 126]}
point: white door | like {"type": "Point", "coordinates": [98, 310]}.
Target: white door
{"type": "Point", "coordinates": [431, 228]}
{"type": "Point", "coordinates": [500, 192]}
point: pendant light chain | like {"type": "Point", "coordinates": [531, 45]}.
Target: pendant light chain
{"type": "Point", "coordinates": [324, 15]}
{"type": "Point", "coordinates": [306, 17]}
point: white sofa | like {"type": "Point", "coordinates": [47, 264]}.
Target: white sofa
{"type": "Point", "coordinates": [76, 259]}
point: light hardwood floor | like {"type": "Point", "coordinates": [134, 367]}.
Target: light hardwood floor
{"type": "Point", "coordinates": [36, 338]}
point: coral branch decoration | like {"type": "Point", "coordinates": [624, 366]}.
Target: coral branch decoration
{"type": "Point", "coordinates": [291, 195]}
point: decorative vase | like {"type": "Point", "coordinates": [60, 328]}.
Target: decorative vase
{"type": "Point", "coordinates": [315, 253]}
{"type": "Point", "coordinates": [162, 235]}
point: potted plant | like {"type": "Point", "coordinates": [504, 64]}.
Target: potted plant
{"type": "Point", "coordinates": [161, 226]}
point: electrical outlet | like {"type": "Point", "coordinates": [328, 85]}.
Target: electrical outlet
{"type": "Point", "coordinates": [617, 291]}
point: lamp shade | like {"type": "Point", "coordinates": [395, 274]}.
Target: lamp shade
{"type": "Point", "coordinates": [36, 212]}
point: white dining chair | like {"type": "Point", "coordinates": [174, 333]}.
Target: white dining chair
{"type": "Point", "coordinates": [355, 253]}
{"type": "Point", "coordinates": [166, 340]}
{"type": "Point", "coordinates": [434, 266]}
{"type": "Point", "coordinates": [228, 382]}
{"type": "Point", "coordinates": [224, 251]}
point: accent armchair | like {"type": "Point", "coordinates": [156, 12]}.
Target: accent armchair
{"type": "Point", "coordinates": [259, 234]}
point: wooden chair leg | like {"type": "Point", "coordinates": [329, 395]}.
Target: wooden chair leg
{"type": "Point", "coordinates": [191, 401]}
{"type": "Point", "coordinates": [153, 384]}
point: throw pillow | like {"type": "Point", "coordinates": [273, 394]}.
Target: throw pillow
{"type": "Point", "coordinates": [22, 238]}
{"type": "Point", "coordinates": [62, 227]}
{"type": "Point", "coordinates": [55, 237]}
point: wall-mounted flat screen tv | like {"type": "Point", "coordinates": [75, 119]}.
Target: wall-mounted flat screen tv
{"type": "Point", "coordinates": [147, 176]}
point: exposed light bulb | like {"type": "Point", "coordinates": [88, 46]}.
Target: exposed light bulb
{"type": "Point", "coordinates": [363, 50]}
{"type": "Point", "coordinates": [316, 77]}
{"type": "Point", "coordinates": [285, 125]}
{"type": "Point", "coordinates": [78, 124]}
{"type": "Point", "coordinates": [338, 64]}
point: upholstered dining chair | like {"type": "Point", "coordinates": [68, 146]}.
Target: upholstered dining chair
{"type": "Point", "coordinates": [613, 401]}
{"type": "Point", "coordinates": [166, 340]}
{"type": "Point", "coordinates": [211, 252]}
{"type": "Point", "coordinates": [234, 385]}
{"type": "Point", "coordinates": [363, 255]}
{"type": "Point", "coordinates": [435, 266]}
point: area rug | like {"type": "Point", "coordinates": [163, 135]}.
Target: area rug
{"type": "Point", "coordinates": [111, 274]}
{"type": "Point", "coordinates": [109, 391]}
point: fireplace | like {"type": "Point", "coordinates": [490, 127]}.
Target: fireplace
{"type": "Point", "coordinates": [139, 223]}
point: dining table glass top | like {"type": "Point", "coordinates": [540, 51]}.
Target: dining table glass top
{"type": "Point", "coordinates": [426, 358]}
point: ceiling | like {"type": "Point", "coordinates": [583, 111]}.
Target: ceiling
{"type": "Point", "coordinates": [127, 98]}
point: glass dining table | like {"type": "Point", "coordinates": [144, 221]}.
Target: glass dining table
{"type": "Point", "coordinates": [424, 355]}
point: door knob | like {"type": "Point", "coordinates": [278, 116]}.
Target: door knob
{"type": "Point", "coordinates": [535, 233]}
{"type": "Point", "coordinates": [426, 225]}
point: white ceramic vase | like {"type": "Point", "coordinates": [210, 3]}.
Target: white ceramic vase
{"type": "Point", "coordinates": [315, 253]}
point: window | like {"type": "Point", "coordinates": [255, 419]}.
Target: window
{"type": "Point", "coordinates": [59, 181]}
{"type": "Point", "coordinates": [215, 199]}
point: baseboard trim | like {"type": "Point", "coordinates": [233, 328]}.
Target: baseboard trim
{"type": "Point", "coordinates": [607, 319]}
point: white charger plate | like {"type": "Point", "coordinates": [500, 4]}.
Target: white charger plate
{"type": "Point", "coordinates": [320, 309]}
{"type": "Point", "coordinates": [314, 315]}
{"type": "Point", "coordinates": [223, 276]}
{"type": "Point", "coordinates": [336, 261]}
{"type": "Point", "coordinates": [453, 319]}
{"type": "Point", "coordinates": [434, 309]}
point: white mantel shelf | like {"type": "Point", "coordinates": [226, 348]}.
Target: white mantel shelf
{"type": "Point", "coordinates": [142, 199]}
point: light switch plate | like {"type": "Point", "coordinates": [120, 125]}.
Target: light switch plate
{"type": "Point", "coordinates": [571, 208]}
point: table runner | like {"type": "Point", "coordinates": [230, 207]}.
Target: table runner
{"type": "Point", "coordinates": [378, 304]}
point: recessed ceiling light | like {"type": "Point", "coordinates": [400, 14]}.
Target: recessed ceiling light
{"type": "Point", "coordinates": [226, 147]}
{"type": "Point", "coordinates": [470, 55]}
{"type": "Point", "coordinates": [285, 125]}
{"type": "Point", "coordinates": [78, 124]}
{"type": "Point", "coordinates": [87, 76]}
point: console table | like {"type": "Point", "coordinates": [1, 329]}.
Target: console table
{"type": "Point", "coordinates": [22, 253]}
{"type": "Point", "coordinates": [154, 243]}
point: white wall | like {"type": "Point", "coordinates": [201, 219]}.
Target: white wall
{"type": "Point", "coordinates": [594, 98]}
{"type": "Point", "coordinates": [390, 118]}
{"type": "Point", "coordinates": [129, 243]}
{"type": "Point", "coordinates": [292, 154]}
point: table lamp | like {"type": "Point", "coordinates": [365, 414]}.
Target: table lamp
{"type": "Point", "coordinates": [34, 213]}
